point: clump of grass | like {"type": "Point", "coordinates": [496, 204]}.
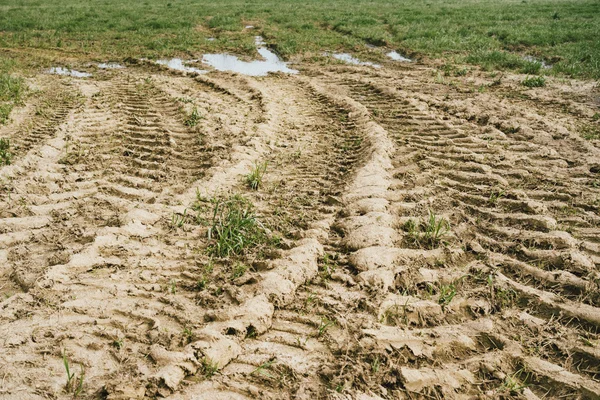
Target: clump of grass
{"type": "Point", "coordinates": [193, 119]}
{"type": "Point", "coordinates": [5, 154]}
{"type": "Point", "coordinates": [495, 196]}
{"type": "Point", "coordinates": [324, 325]}
{"type": "Point", "coordinates": [262, 369]}
{"type": "Point", "coordinates": [11, 91]}
{"type": "Point", "coordinates": [209, 368]}
{"type": "Point", "coordinates": [531, 67]}
{"type": "Point", "coordinates": [74, 385]}
{"type": "Point", "coordinates": [74, 154]}
{"type": "Point", "coordinates": [235, 227]}
{"type": "Point", "coordinates": [590, 132]}
{"type": "Point", "coordinates": [239, 269]}
{"type": "Point", "coordinates": [514, 384]}
{"type": "Point", "coordinates": [447, 293]}
{"type": "Point", "coordinates": [427, 234]}
{"type": "Point", "coordinates": [453, 70]}
{"type": "Point", "coordinates": [534, 81]}
{"type": "Point", "coordinates": [328, 265]}
{"type": "Point", "coordinates": [255, 177]}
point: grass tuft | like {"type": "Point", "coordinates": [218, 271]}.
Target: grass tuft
{"type": "Point", "coordinates": [255, 177]}
{"type": "Point", "coordinates": [5, 154]}
{"type": "Point", "coordinates": [534, 81]}
{"type": "Point", "coordinates": [193, 119]}
{"type": "Point", "coordinates": [234, 227]}
{"type": "Point", "coordinates": [427, 234]}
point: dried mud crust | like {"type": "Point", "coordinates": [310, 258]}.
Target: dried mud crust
{"type": "Point", "coordinates": [359, 299]}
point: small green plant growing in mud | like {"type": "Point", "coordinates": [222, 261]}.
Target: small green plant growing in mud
{"type": "Point", "coordinates": [590, 132]}
{"type": "Point", "coordinates": [504, 297]}
{"type": "Point", "coordinates": [187, 333]}
{"type": "Point", "coordinates": [375, 364]}
{"type": "Point", "coordinates": [193, 119]}
{"type": "Point", "coordinates": [327, 266]}
{"type": "Point", "coordinates": [75, 152]}
{"type": "Point", "coordinates": [74, 385]}
{"type": "Point", "coordinates": [427, 234]}
{"type": "Point", "coordinates": [234, 227]}
{"type": "Point", "coordinates": [255, 177]}
{"type": "Point", "coordinates": [5, 154]}
{"type": "Point", "coordinates": [262, 369]}
{"type": "Point", "coordinates": [239, 270]}
{"type": "Point", "coordinates": [534, 81]}
{"type": "Point", "coordinates": [202, 282]}
{"type": "Point", "coordinates": [495, 196]}
{"type": "Point", "coordinates": [513, 383]}
{"type": "Point", "coordinates": [500, 298]}
{"type": "Point", "coordinates": [447, 293]}
{"type": "Point", "coordinates": [324, 325]}
{"type": "Point", "coordinates": [209, 368]}
{"type": "Point", "coordinates": [179, 220]}
{"type": "Point", "coordinates": [395, 315]}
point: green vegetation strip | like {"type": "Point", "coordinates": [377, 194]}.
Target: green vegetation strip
{"type": "Point", "coordinates": [11, 91]}
{"type": "Point", "coordinates": [494, 34]}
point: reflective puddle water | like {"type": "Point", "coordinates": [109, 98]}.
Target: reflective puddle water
{"type": "Point", "coordinates": [110, 66]}
{"type": "Point", "coordinates": [347, 58]}
{"type": "Point", "coordinates": [535, 60]}
{"type": "Point", "coordinates": [68, 72]}
{"type": "Point", "coordinates": [179, 65]}
{"type": "Point", "coordinates": [394, 55]}
{"type": "Point", "coordinates": [271, 62]}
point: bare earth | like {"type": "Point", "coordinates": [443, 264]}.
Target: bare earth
{"type": "Point", "coordinates": [351, 307]}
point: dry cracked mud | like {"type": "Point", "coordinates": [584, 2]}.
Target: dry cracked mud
{"type": "Point", "coordinates": [439, 237]}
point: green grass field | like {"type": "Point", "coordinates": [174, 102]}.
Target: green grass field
{"type": "Point", "coordinates": [493, 34]}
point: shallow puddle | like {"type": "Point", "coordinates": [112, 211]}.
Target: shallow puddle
{"type": "Point", "coordinates": [271, 62]}
{"type": "Point", "coordinates": [535, 60]}
{"type": "Point", "coordinates": [394, 55]}
{"type": "Point", "coordinates": [345, 57]}
{"type": "Point", "coordinates": [110, 66]}
{"type": "Point", "coordinates": [179, 65]}
{"type": "Point", "coordinates": [68, 72]}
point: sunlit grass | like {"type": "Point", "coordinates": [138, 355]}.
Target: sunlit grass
{"type": "Point", "coordinates": [493, 34]}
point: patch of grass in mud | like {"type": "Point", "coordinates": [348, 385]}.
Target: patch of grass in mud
{"type": "Point", "coordinates": [193, 119]}
{"type": "Point", "coordinates": [74, 383]}
{"type": "Point", "coordinates": [255, 177]}
{"type": "Point", "coordinates": [428, 234]}
{"type": "Point", "coordinates": [590, 132]}
{"type": "Point", "coordinates": [234, 227]}
{"type": "Point", "coordinates": [5, 153]}
{"type": "Point", "coordinates": [12, 89]}
{"type": "Point", "coordinates": [534, 81]}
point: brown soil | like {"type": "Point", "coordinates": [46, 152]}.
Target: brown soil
{"type": "Point", "coordinates": [357, 300]}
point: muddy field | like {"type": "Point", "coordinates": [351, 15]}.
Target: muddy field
{"type": "Point", "coordinates": [430, 236]}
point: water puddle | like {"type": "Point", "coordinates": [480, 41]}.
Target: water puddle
{"type": "Point", "coordinates": [394, 55]}
{"type": "Point", "coordinates": [271, 62]}
{"type": "Point", "coordinates": [179, 65]}
{"type": "Point", "coordinates": [535, 60]}
{"type": "Point", "coordinates": [68, 72]}
{"type": "Point", "coordinates": [347, 58]}
{"type": "Point", "coordinates": [110, 66]}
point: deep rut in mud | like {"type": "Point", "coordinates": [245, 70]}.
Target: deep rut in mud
{"type": "Point", "coordinates": [429, 245]}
